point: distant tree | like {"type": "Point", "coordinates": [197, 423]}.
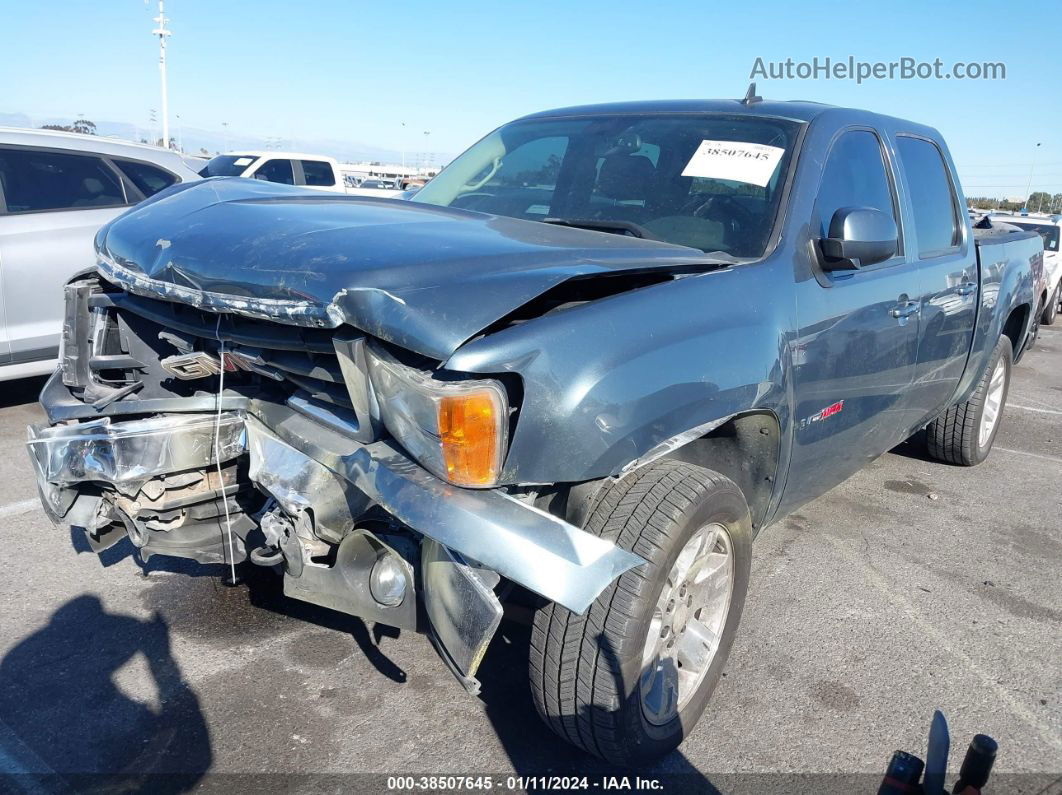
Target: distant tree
{"type": "Point", "coordinates": [83, 126]}
{"type": "Point", "coordinates": [204, 152]}
{"type": "Point", "coordinates": [1038, 201]}
{"type": "Point", "coordinates": [546, 175]}
{"type": "Point", "coordinates": [1056, 202]}
{"type": "Point", "coordinates": [992, 203]}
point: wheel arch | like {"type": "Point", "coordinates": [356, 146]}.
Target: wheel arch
{"type": "Point", "coordinates": [745, 448]}
{"type": "Point", "coordinates": [1015, 328]}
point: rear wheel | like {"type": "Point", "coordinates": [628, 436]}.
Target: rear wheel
{"type": "Point", "coordinates": [1034, 329]}
{"type": "Point", "coordinates": [628, 680]}
{"type": "Point", "coordinates": [1047, 317]}
{"type": "Point", "coordinates": [964, 434]}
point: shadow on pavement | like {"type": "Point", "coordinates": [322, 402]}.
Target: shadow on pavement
{"type": "Point", "coordinates": [532, 747]}
{"type": "Point", "coordinates": [914, 448]}
{"type": "Point", "coordinates": [266, 591]}
{"type": "Point", "coordinates": [63, 718]}
{"type": "Point", "coordinates": [21, 390]}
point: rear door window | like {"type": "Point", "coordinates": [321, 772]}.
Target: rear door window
{"type": "Point", "coordinates": [318, 172]}
{"type": "Point", "coordinates": [936, 212]}
{"type": "Point", "coordinates": [276, 171]}
{"type": "Point", "coordinates": [36, 180]}
{"type": "Point", "coordinates": [148, 179]}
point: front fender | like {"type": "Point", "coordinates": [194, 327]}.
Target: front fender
{"type": "Point", "coordinates": [609, 381]}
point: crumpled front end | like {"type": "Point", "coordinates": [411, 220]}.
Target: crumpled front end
{"type": "Point", "coordinates": [222, 438]}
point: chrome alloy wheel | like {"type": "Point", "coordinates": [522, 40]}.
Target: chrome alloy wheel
{"type": "Point", "coordinates": [687, 623]}
{"type": "Point", "coordinates": [993, 403]}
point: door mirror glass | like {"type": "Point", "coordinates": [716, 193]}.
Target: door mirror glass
{"type": "Point", "coordinates": [859, 236]}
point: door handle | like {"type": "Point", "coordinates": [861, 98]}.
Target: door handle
{"type": "Point", "coordinates": [966, 288]}
{"type": "Point", "coordinates": [906, 309]}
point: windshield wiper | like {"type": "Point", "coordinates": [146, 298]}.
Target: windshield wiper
{"type": "Point", "coordinates": [602, 225]}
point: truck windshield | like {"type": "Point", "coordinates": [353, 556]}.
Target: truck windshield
{"type": "Point", "coordinates": [1048, 232]}
{"type": "Point", "coordinates": [710, 181]}
{"type": "Point", "coordinates": [227, 165]}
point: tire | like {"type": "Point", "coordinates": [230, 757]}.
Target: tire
{"type": "Point", "coordinates": [956, 435]}
{"type": "Point", "coordinates": [586, 670]}
{"type": "Point", "coordinates": [1034, 330]}
{"type": "Point", "coordinates": [1047, 317]}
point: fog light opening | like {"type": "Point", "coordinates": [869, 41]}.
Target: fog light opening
{"type": "Point", "coordinates": [387, 580]}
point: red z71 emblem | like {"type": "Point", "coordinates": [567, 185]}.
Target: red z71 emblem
{"type": "Point", "coordinates": [827, 412]}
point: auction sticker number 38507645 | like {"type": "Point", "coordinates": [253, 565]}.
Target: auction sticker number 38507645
{"type": "Point", "coordinates": [737, 161]}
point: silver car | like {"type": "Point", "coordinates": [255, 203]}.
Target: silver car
{"type": "Point", "coordinates": [56, 190]}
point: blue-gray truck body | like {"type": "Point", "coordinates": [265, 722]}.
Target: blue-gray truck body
{"type": "Point", "coordinates": [783, 374]}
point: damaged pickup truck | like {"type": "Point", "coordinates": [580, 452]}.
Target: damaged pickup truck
{"type": "Point", "coordinates": [582, 368]}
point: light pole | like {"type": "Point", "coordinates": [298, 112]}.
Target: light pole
{"type": "Point", "coordinates": [163, 34]}
{"type": "Point", "coordinates": [426, 134]}
{"type": "Point", "coordinates": [225, 127]}
{"type": "Point", "coordinates": [403, 144]}
{"type": "Point", "coordinates": [1028, 188]}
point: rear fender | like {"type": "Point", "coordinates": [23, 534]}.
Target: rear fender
{"type": "Point", "coordinates": [1007, 284]}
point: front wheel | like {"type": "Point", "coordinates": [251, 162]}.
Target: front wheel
{"type": "Point", "coordinates": [629, 679]}
{"type": "Point", "coordinates": [964, 434]}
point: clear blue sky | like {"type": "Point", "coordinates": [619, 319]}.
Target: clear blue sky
{"type": "Point", "coordinates": [355, 70]}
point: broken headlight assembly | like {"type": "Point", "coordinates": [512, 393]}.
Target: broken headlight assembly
{"type": "Point", "coordinates": [457, 430]}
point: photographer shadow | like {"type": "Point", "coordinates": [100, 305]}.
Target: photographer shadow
{"type": "Point", "coordinates": [65, 723]}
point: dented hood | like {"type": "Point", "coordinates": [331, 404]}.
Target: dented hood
{"type": "Point", "coordinates": [423, 277]}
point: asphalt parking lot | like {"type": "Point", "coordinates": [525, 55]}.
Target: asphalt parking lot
{"type": "Point", "coordinates": [911, 587]}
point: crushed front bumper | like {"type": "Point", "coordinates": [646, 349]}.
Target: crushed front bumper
{"type": "Point", "coordinates": [326, 483]}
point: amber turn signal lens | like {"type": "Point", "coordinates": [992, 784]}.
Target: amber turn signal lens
{"type": "Point", "coordinates": [469, 429]}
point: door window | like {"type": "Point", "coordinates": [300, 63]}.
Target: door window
{"type": "Point", "coordinates": [318, 173]}
{"type": "Point", "coordinates": [276, 171]}
{"type": "Point", "coordinates": [148, 179]}
{"type": "Point", "coordinates": [936, 212]}
{"type": "Point", "coordinates": [35, 180]}
{"type": "Point", "coordinates": [854, 176]}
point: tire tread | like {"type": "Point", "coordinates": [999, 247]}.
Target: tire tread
{"type": "Point", "coordinates": [641, 512]}
{"type": "Point", "coordinates": [953, 436]}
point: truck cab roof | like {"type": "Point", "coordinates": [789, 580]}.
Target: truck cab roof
{"type": "Point", "coordinates": [272, 153]}
{"type": "Point", "coordinates": [794, 110]}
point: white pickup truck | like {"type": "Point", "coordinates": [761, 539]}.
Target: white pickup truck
{"type": "Point", "coordinates": [289, 168]}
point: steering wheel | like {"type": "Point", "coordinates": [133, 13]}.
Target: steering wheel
{"type": "Point", "coordinates": [719, 208]}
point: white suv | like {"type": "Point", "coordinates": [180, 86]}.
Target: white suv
{"type": "Point", "coordinates": [56, 190]}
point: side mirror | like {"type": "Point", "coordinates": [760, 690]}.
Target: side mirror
{"type": "Point", "coordinates": [859, 236]}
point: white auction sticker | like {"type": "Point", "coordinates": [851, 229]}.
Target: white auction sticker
{"type": "Point", "coordinates": [243, 161]}
{"type": "Point", "coordinates": [734, 160]}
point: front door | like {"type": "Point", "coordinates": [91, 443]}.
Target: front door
{"type": "Point", "coordinates": [856, 341]}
